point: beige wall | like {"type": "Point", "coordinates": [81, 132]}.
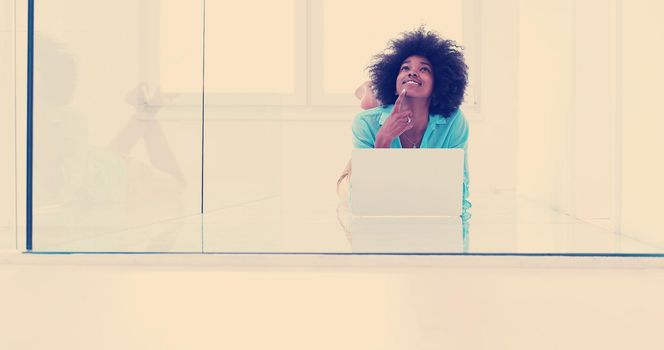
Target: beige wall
{"type": "Point", "coordinates": [589, 123]}
{"type": "Point", "coordinates": [642, 169]}
{"type": "Point", "coordinates": [567, 99]}
{"type": "Point", "coordinates": [493, 139]}
{"type": "Point", "coordinates": [7, 212]}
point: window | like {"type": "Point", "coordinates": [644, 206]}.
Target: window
{"type": "Point", "coordinates": [297, 52]}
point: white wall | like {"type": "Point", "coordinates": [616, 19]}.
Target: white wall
{"type": "Point", "coordinates": [567, 105]}
{"type": "Point", "coordinates": [20, 120]}
{"type": "Point", "coordinates": [593, 116]}
{"type": "Point", "coordinates": [7, 229]}
{"type": "Point", "coordinates": [642, 189]}
{"type": "Point", "coordinates": [589, 121]}
{"type": "Point", "coordinates": [544, 100]}
{"type": "Point", "coordinates": [493, 139]}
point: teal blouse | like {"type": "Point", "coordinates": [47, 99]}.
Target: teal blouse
{"type": "Point", "coordinates": [441, 132]}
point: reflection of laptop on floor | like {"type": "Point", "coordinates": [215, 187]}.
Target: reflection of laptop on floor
{"type": "Point", "coordinates": [406, 235]}
{"type": "Point", "coordinates": [407, 182]}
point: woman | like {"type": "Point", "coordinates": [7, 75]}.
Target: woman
{"type": "Point", "coordinates": [419, 84]}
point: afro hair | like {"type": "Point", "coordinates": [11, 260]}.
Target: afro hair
{"type": "Point", "coordinates": [450, 72]}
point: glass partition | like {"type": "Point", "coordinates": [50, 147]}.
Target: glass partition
{"type": "Point", "coordinates": [117, 165]}
{"type": "Point", "coordinates": [170, 126]}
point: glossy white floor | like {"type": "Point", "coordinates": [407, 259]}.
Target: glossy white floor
{"type": "Point", "coordinates": [329, 302]}
{"type": "Point", "coordinates": [501, 223]}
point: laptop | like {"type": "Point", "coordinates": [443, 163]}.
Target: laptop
{"type": "Point", "coordinates": [403, 182]}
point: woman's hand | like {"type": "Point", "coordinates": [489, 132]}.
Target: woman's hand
{"type": "Point", "coordinates": [396, 124]}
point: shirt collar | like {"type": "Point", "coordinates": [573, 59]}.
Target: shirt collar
{"type": "Point", "coordinates": [433, 118]}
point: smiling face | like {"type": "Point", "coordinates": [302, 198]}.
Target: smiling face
{"type": "Point", "coordinates": [416, 76]}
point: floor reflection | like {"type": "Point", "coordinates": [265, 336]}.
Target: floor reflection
{"type": "Point", "coordinates": [501, 224]}
{"type": "Point", "coordinates": [408, 235]}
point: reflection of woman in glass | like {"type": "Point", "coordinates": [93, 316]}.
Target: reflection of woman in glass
{"type": "Point", "coordinates": [79, 183]}
{"type": "Point", "coordinates": [419, 84]}
{"type": "Point", "coordinates": [71, 166]}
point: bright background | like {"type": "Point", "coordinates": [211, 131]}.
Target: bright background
{"type": "Point", "coordinates": [562, 109]}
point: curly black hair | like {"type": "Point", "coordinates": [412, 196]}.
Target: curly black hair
{"type": "Point", "coordinates": [450, 72]}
